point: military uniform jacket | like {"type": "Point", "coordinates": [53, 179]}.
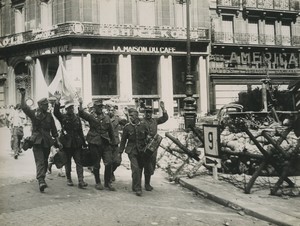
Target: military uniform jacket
{"type": "Point", "coordinates": [153, 122]}
{"type": "Point", "coordinates": [72, 133]}
{"type": "Point", "coordinates": [135, 136]}
{"type": "Point", "coordinates": [42, 125]}
{"type": "Point", "coordinates": [100, 128]}
{"type": "Point", "coordinates": [117, 122]}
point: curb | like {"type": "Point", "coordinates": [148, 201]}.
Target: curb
{"type": "Point", "coordinates": [229, 204]}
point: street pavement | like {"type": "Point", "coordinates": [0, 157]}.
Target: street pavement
{"type": "Point", "coordinates": [169, 203]}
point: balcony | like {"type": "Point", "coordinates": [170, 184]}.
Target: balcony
{"type": "Point", "coordinates": [260, 5]}
{"type": "Point", "coordinates": [254, 39]}
{"type": "Point", "coordinates": [285, 5]}
{"type": "Point", "coordinates": [77, 29]}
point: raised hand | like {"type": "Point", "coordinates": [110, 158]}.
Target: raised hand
{"type": "Point", "coordinates": [162, 105]}
{"type": "Point", "coordinates": [57, 95]}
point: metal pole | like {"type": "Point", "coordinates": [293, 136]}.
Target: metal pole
{"type": "Point", "coordinates": [189, 101]}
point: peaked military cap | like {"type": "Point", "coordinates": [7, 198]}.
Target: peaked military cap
{"type": "Point", "coordinates": [43, 101]}
{"type": "Point", "coordinates": [98, 103]}
{"type": "Point", "coordinates": [69, 103]}
{"type": "Point", "coordinates": [148, 108]}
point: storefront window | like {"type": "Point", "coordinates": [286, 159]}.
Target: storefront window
{"type": "Point", "coordinates": [144, 75]}
{"type": "Point", "coordinates": [179, 73]}
{"type": "Point", "coordinates": [104, 74]}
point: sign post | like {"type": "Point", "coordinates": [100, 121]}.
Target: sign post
{"type": "Point", "coordinates": [211, 147]}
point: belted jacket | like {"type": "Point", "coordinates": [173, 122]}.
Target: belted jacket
{"type": "Point", "coordinates": [72, 133]}
{"type": "Point", "coordinates": [100, 128]}
{"type": "Point", "coordinates": [43, 126]}
{"type": "Point", "coordinates": [136, 136]}
{"type": "Point", "coordinates": [153, 122]}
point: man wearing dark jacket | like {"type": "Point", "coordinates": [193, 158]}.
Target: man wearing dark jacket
{"type": "Point", "coordinates": [100, 139]}
{"type": "Point", "coordinates": [135, 137]}
{"type": "Point", "coordinates": [72, 139]}
{"type": "Point", "coordinates": [152, 124]}
{"type": "Point", "coordinates": [43, 129]}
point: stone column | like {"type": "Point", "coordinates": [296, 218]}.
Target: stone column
{"type": "Point", "coordinates": [87, 79]}
{"type": "Point", "coordinates": [124, 78]}
{"type": "Point", "coordinates": [203, 94]}
{"type": "Point", "coordinates": [165, 89]}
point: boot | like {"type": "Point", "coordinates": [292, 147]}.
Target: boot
{"type": "Point", "coordinates": [148, 187]}
{"type": "Point", "coordinates": [70, 182]}
{"type": "Point", "coordinates": [99, 186]}
{"type": "Point", "coordinates": [82, 185]}
{"type": "Point", "coordinates": [109, 187]}
{"type": "Point", "coordinates": [113, 177]}
{"type": "Point", "coordinates": [42, 186]}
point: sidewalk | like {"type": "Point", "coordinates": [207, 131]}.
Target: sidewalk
{"type": "Point", "coordinates": [259, 204]}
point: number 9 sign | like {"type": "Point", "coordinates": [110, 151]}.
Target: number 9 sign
{"type": "Point", "coordinates": [211, 140]}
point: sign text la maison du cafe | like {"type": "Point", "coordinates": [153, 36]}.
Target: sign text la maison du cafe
{"type": "Point", "coordinates": [257, 62]}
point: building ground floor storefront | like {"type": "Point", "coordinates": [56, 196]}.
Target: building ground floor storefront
{"type": "Point", "coordinates": [122, 71]}
{"type": "Point", "coordinates": [234, 70]}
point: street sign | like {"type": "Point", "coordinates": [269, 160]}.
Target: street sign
{"type": "Point", "coordinates": [212, 143]}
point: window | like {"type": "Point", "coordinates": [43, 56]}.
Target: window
{"type": "Point", "coordinates": [180, 14]}
{"type": "Point", "coordinates": [104, 74]}
{"type": "Point", "coordinates": [270, 32]}
{"type": "Point", "coordinates": [33, 16]}
{"type": "Point", "coordinates": [164, 14]}
{"type": "Point", "coordinates": [253, 30]}
{"type": "Point", "coordinates": [227, 25]}
{"type": "Point", "coordinates": [19, 19]}
{"type": "Point", "coordinates": [108, 11]}
{"type": "Point", "coordinates": [58, 11]}
{"type": "Point", "coordinates": [146, 12]}
{"type": "Point", "coordinates": [179, 73]}
{"type": "Point", "coordinates": [286, 32]}
{"type": "Point", "coordinates": [144, 75]}
{"type": "Point", "coordinates": [72, 10]}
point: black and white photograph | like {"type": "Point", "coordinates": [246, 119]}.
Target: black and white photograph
{"type": "Point", "coordinates": [149, 112]}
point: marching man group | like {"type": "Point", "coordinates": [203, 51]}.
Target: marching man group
{"type": "Point", "coordinates": [101, 139]}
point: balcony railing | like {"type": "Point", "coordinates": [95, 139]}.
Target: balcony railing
{"type": "Point", "coordinates": [287, 5]}
{"type": "Point", "coordinates": [107, 31]}
{"type": "Point", "coordinates": [255, 39]}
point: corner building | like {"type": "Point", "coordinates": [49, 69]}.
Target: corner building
{"type": "Point", "coordinates": [252, 39]}
{"type": "Point", "coordinates": [125, 49]}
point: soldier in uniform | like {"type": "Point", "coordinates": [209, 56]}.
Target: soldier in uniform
{"type": "Point", "coordinates": [135, 134]}
{"type": "Point", "coordinates": [72, 139]}
{"type": "Point", "coordinates": [100, 139]}
{"type": "Point", "coordinates": [152, 124]}
{"type": "Point", "coordinates": [43, 129]}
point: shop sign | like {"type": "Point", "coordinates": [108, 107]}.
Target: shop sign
{"type": "Point", "coordinates": [143, 49]}
{"type": "Point", "coordinates": [265, 58]}
{"type": "Point", "coordinates": [51, 50]}
{"type": "Point", "coordinates": [253, 71]}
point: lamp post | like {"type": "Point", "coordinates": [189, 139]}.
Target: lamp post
{"type": "Point", "coordinates": [189, 101]}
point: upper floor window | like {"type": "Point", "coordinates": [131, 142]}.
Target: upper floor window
{"type": "Point", "coordinates": [253, 30]}
{"type": "Point", "coordinates": [146, 12]}
{"type": "Point", "coordinates": [180, 13]}
{"type": "Point", "coordinates": [227, 26]}
{"type": "Point", "coordinates": [108, 11]}
{"type": "Point", "coordinates": [270, 32]}
{"type": "Point", "coordinates": [286, 32]}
